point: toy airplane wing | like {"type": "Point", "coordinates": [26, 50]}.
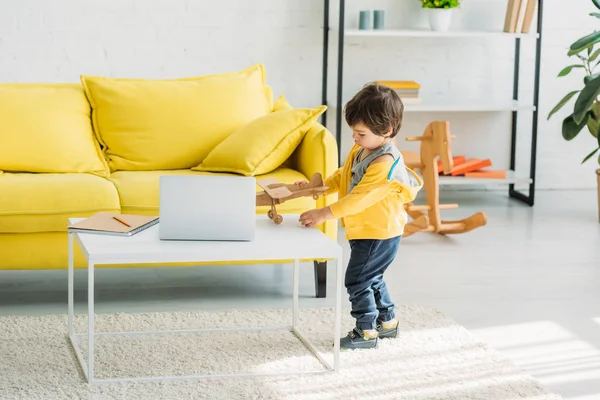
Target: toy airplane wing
{"type": "Point", "coordinates": [274, 189]}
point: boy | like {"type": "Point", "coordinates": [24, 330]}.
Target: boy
{"type": "Point", "coordinates": [373, 185]}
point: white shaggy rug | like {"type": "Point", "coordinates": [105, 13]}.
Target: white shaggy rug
{"type": "Point", "coordinates": [434, 358]}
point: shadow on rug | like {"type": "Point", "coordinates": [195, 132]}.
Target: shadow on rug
{"type": "Point", "coordinates": [434, 358]}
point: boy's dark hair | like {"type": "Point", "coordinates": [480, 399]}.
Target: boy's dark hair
{"type": "Point", "coordinates": [376, 106]}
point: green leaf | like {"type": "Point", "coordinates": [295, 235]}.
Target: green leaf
{"type": "Point", "coordinates": [562, 102]}
{"type": "Point", "coordinates": [590, 155]}
{"type": "Point", "coordinates": [595, 55]}
{"type": "Point", "coordinates": [596, 3]}
{"type": "Point", "coordinates": [584, 42]}
{"type": "Point", "coordinates": [597, 15]}
{"type": "Point", "coordinates": [565, 71]}
{"type": "Point", "coordinates": [570, 129]}
{"type": "Point", "coordinates": [593, 127]}
{"type": "Point", "coordinates": [586, 98]}
{"type": "Point", "coordinates": [588, 78]}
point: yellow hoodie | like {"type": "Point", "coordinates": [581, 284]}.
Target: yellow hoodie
{"type": "Point", "coordinates": [374, 209]}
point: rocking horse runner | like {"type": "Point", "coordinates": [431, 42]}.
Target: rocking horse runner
{"type": "Point", "coordinates": [435, 142]}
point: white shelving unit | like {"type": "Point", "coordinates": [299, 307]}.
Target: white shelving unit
{"type": "Point", "coordinates": [466, 106]}
{"type": "Point", "coordinates": [511, 178]}
{"type": "Point", "coordinates": [428, 33]}
{"type": "Point", "coordinates": [461, 106]}
{"type": "Point", "coordinates": [514, 105]}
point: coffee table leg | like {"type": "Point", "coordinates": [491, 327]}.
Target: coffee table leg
{"type": "Point", "coordinates": [70, 284]}
{"type": "Point", "coordinates": [296, 273]}
{"type": "Point", "coordinates": [339, 268]}
{"type": "Point", "coordinates": [90, 321]}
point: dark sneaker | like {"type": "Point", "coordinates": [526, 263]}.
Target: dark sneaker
{"type": "Point", "coordinates": [387, 331]}
{"type": "Point", "coordinates": [357, 339]}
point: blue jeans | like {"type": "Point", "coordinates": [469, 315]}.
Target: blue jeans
{"type": "Point", "coordinates": [369, 258]}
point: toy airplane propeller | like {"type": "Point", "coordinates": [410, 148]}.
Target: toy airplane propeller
{"type": "Point", "coordinates": [277, 193]}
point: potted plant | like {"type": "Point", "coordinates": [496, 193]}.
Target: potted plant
{"type": "Point", "coordinates": [440, 13]}
{"type": "Point", "coordinates": [586, 110]}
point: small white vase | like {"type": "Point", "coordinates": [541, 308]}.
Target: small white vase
{"type": "Point", "coordinates": [440, 18]}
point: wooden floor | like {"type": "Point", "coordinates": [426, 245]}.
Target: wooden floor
{"type": "Point", "coordinates": [528, 283]}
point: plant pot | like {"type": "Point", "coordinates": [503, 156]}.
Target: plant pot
{"type": "Point", "coordinates": [440, 19]}
{"type": "Point", "coordinates": [598, 176]}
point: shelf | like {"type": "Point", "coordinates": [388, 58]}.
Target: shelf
{"type": "Point", "coordinates": [511, 177]}
{"type": "Point", "coordinates": [433, 103]}
{"type": "Point", "coordinates": [430, 33]}
{"type": "Point", "coordinates": [459, 106]}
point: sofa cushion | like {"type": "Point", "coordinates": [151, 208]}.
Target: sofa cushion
{"type": "Point", "coordinates": [262, 145]}
{"type": "Point", "coordinates": [54, 118]}
{"type": "Point", "coordinates": [172, 124]}
{"type": "Point", "coordinates": [139, 190]}
{"type": "Point", "coordinates": [44, 202]}
{"type": "Point", "coordinates": [281, 104]}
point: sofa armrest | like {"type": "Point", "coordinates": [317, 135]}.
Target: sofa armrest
{"type": "Point", "coordinates": [318, 152]}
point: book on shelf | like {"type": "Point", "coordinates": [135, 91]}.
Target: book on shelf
{"type": "Point", "coordinates": [407, 90]}
{"type": "Point", "coordinates": [456, 160]}
{"type": "Point", "coordinates": [519, 15]}
{"type": "Point", "coordinates": [410, 100]}
{"type": "Point", "coordinates": [487, 173]}
{"type": "Point", "coordinates": [472, 168]}
{"type": "Point", "coordinates": [529, 14]}
{"type": "Point", "coordinates": [407, 93]}
{"type": "Point", "coordinates": [470, 165]}
{"type": "Point", "coordinates": [104, 223]}
{"type": "Point", "coordinates": [400, 85]}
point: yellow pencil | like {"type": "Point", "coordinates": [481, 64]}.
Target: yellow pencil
{"type": "Point", "coordinates": [121, 221]}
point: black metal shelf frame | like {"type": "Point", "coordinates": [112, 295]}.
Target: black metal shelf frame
{"type": "Point", "coordinates": [514, 193]}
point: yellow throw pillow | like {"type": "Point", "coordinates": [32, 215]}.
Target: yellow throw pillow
{"type": "Point", "coordinates": [46, 128]}
{"type": "Point", "coordinates": [172, 124]}
{"type": "Point", "coordinates": [262, 145]}
{"type": "Point", "coordinates": [281, 104]}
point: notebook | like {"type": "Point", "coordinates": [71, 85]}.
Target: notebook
{"type": "Point", "coordinates": [104, 223]}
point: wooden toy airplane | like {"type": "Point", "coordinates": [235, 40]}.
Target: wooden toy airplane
{"type": "Point", "coordinates": [277, 193]}
{"type": "Point", "coordinates": [435, 142]}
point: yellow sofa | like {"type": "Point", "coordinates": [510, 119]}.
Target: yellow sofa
{"type": "Point", "coordinates": [72, 150]}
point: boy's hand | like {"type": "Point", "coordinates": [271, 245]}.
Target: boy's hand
{"type": "Point", "coordinates": [314, 217]}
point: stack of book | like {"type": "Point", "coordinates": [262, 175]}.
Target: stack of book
{"type": "Point", "coordinates": [472, 168]}
{"type": "Point", "coordinates": [519, 15]}
{"type": "Point", "coordinates": [407, 90]}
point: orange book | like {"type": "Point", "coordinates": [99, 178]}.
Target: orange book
{"type": "Point", "coordinates": [456, 160]}
{"type": "Point", "coordinates": [487, 173]}
{"type": "Point", "coordinates": [471, 165]}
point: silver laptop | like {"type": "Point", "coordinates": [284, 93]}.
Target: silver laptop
{"type": "Point", "coordinates": [207, 208]}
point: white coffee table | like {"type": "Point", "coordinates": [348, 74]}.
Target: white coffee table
{"type": "Point", "coordinates": [287, 241]}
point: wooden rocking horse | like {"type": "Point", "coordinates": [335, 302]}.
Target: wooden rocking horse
{"type": "Point", "coordinates": [436, 141]}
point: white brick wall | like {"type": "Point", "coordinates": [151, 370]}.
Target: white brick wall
{"type": "Point", "coordinates": [42, 40]}
{"type": "Point", "coordinates": [57, 40]}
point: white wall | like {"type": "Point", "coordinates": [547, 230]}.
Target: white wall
{"type": "Point", "coordinates": [42, 40]}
